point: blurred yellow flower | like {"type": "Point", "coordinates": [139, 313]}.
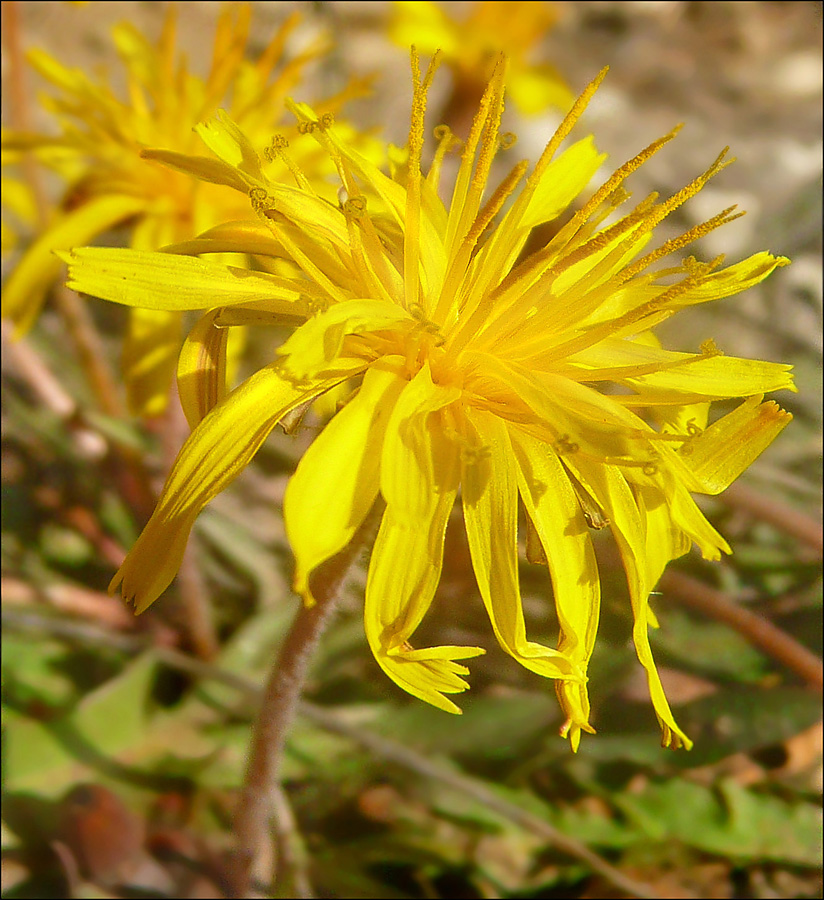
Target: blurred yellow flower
{"type": "Point", "coordinates": [500, 380]}
{"type": "Point", "coordinates": [471, 46]}
{"type": "Point", "coordinates": [99, 153]}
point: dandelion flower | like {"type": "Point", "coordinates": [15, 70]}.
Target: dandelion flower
{"type": "Point", "coordinates": [99, 152]}
{"type": "Point", "coordinates": [471, 46]}
{"type": "Point", "coordinates": [485, 376]}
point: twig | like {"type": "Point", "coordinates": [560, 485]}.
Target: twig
{"type": "Point", "coordinates": [758, 630]}
{"type": "Point", "coordinates": [780, 515]}
{"type": "Point", "coordinates": [128, 470]}
{"type": "Point", "coordinates": [382, 747]}
{"type": "Point", "coordinates": [46, 387]}
{"type": "Point", "coordinates": [409, 759]}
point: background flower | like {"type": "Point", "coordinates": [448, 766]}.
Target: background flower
{"type": "Point", "coordinates": [98, 153]}
{"type": "Point", "coordinates": [471, 43]}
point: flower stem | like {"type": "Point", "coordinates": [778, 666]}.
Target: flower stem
{"type": "Point", "coordinates": [279, 706]}
{"type": "Point", "coordinates": [791, 521]}
{"type": "Point", "coordinates": [758, 630]}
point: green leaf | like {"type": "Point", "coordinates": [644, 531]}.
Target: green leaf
{"type": "Point", "coordinates": [490, 727]}
{"type": "Point", "coordinates": [707, 646]}
{"type": "Point", "coordinates": [738, 823]}
{"type": "Point", "coordinates": [49, 756]}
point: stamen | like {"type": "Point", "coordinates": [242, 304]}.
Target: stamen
{"type": "Point", "coordinates": [615, 327]}
{"type": "Point", "coordinates": [261, 199]}
{"type": "Point", "coordinates": [465, 195]}
{"type": "Point", "coordinates": [709, 348]}
{"type": "Point", "coordinates": [411, 243]}
{"type": "Point", "coordinates": [447, 141]}
{"type": "Point", "coordinates": [670, 246]}
{"type": "Point", "coordinates": [277, 150]}
{"type": "Point", "coordinates": [459, 265]}
{"type": "Point", "coordinates": [274, 220]}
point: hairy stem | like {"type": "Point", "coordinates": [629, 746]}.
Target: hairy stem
{"type": "Point", "coordinates": [279, 706]}
{"type": "Point", "coordinates": [781, 516]}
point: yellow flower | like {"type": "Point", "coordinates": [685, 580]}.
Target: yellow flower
{"type": "Point", "coordinates": [470, 47]}
{"type": "Point", "coordinates": [99, 152]}
{"type": "Point", "coordinates": [484, 376]}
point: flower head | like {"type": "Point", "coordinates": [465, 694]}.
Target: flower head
{"type": "Point", "coordinates": [101, 149]}
{"type": "Point", "coordinates": [485, 374]}
{"type": "Point", "coordinates": [471, 46]}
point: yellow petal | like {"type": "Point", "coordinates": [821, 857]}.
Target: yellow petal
{"type": "Point", "coordinates": [734, 279]}
{"type": "Point", "coordinates": [614, 494]}
{"type": "Point", "coordinates": [231, 237]}
{"type": "Point", "coordinates": [206, 168]}
{"type": "Point", "coordinates": [534, 88]}
{"type": "Point", "coordinates": [423, 24]}
{"type": "Point", "coordinates": [403, 574]}
{"type": "Point", "coordinates": [222, 136]}
{"type": "Point", "coordinates": [314, 345]}
{"type": "Point", "coordinates": [154, 280]}
{"type": "Point", "coordinates": [561, 182]}
{"type": "Point", "coordinates": [717, 378]}
{"type": "Point", "coordinates": [719, 454]}
{"type": "Point", "coordinates": [490, 504]}
{"type": "Point", "coordinates": [338, 477]}
{"type": "Point", "coordinates": [213, 456]}
{"type": "Point", "coordinates": [664, 540]}
{"type": "Point", "coordinates": [410, 442]}
{"type": "Point", "coordinates": [201, 368]}
{"type": "Point", "coordinates": [39, 268]}
{"type": "Point", "coordinates": [554, 510]}
{"type": "Point", "coordinates": [693, 374]}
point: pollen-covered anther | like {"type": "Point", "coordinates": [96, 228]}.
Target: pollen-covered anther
{"type": "Point", "coordinates": [709, 348]}
{"type": "Point", "coordinates": [306, 127]}
{"type": "Point", "coordinates": [327, 120]}
{"type": "Point", "coordinates": [649, 469]}
{"type": "Point", "coordinates": [565, 444]}
{"type": "Point", "coordinates": [692, 429]}
{"type": "Point", "coordinates": [444, 136]}
{"type": "Point", "coordinates": [278, 144]}
{"type": "Point", "coordinates": [696, 268]}
{"type": "Point", "coordinates": [507, 140]}
{"type": "Point", "coordinates": [354, 207]}
{"type": "Point", "coordinates": [260, 199]}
